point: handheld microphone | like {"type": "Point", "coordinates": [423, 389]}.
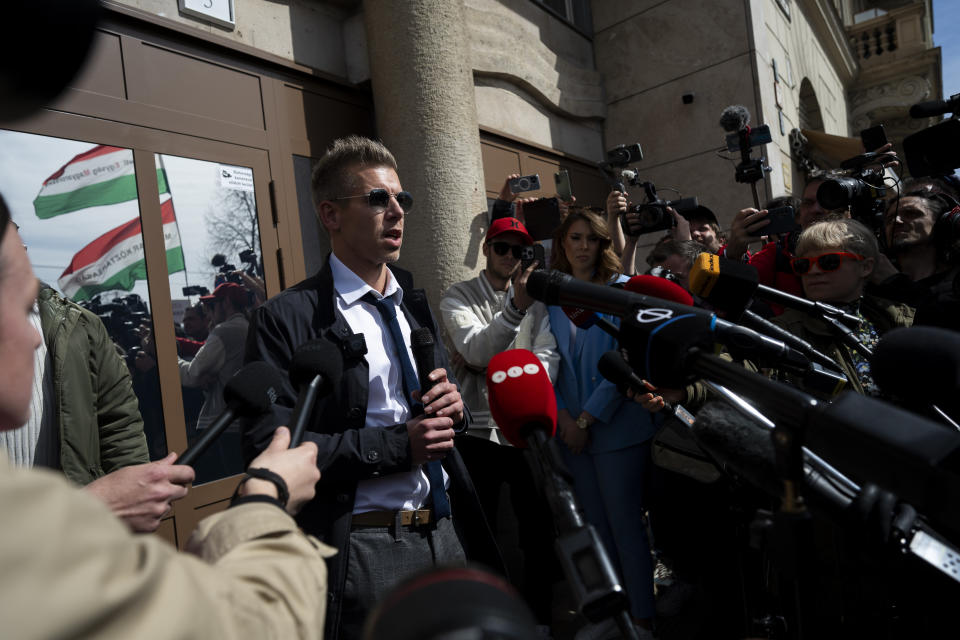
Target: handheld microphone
{"type": "Point", "coordinates": [744, 447]}
{"type": "Point", "coordinates": [250, 392]}
{"type": "Point", "coordinates": [614, 368]}
{"type": "Point", "coordinates": [647, 317]}
{"type": "Point", "coordinates": [933, 108]}
{"type": "Point", "coordinates": [557, 288]}
{"type": "Point", "coordinates": [895, 361]}
{"type": "Point", "coordinates": [894, 369]}
{"type": "Point", "coordinates": [730, 285]}
{"type": "Point", "coordinates": [315, 369]}
{"type": "Point", "coordinates": [521, 396]}
{"type": "Point", "coordinates": [659, 288]}
{"type": "Point", "coordinates": [740, 445]}
{"type": "Point", "coordinates": [523, 404]}
{"type": "Point", "coordinates": [451, 602]}
{"type": "Point", "coordinates": [421, 343]}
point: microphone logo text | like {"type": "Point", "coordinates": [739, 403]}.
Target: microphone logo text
{"type": "Point", "coordinates": [514, 372]}
{"type": "Point", "coordinates": [653, 315]}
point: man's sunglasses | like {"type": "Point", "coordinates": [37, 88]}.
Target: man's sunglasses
{"type": "Point", "coordinates": [381, 198]}
{"type": "Point", "coordinates": [825, 261]}
{"type": "Point", "coordinates": [502, 248]}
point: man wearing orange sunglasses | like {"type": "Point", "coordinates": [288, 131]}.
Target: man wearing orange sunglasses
{"type": "Point", "coordinates": [834, 260]}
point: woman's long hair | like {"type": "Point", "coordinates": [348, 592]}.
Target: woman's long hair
{"type": "Point", "coordinates": [607, 264]}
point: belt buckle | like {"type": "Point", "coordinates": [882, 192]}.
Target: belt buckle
{"type": "Point", "coordinates": [416, 517]}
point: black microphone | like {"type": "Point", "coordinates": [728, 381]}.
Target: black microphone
{"type": "Point", "coordinates": [922, 363]}
{"type": "Point", "coordinates": [744, 447]}
{"type": "Point", "coordinates": [871, 440]}
{"type": "Point", "coordinates": [730, 285]}
{"type": "Point", "coordinates": [933, 108]}
{"type": "Point", "coordinates": [642, 315]}
{"type": "Point", "coordinates": [935, 382]}
{"type": "Point", "coordinates": [250, 392]}
{"type": "Point", "coordinates": [315, 369]}
{"type": "Point", "coordinates": [421, 343]}
{"type": "Point", "coordinates": [614, 368]}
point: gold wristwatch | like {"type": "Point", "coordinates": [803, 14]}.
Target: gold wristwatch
{"type": "Point", "coordinates": [582, 423]}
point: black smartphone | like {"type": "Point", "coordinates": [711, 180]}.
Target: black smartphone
{"type": "Point", "coordinates": [541, 217]}
{"type": "Point", "coordinates": [527, 254]}
{"type": "Point", "coordinates": [525, 183]}
{"type": "Point", "coordinates": [873, 138]}
{"type": "Point", "coordinates": [781, 221]}
{"type": "Point", "coordinates": [562, 179]}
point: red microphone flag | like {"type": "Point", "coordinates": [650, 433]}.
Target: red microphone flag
{"type": "Point", "coordinates": [521, 395]}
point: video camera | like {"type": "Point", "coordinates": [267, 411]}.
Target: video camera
{"type": "Point", "coordinates": [652, 215]}
{"type": "Point", "coordinates": [862, 189]}
{"type": "Point", "coordinates": [934, 151]}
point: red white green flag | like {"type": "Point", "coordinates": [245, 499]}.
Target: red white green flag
{"type": "Point", "coordinates": [115, 260]}
{"type": "Point", "coordinates": [101, 176]}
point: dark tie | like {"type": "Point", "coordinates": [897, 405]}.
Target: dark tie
{"type": "Point", "coordinates": [388, 311]}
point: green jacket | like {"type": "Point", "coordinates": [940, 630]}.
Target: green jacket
{"type": "Point", "coordinates": [96, 410]}
{"type": "Point", "coordinates": [884, 314]}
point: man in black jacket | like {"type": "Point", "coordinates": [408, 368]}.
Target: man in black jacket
{"type": "Point", "coordinates": [382, 501]}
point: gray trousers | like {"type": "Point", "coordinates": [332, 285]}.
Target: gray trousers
{"type": "Point", "coordinates": [381, 557]}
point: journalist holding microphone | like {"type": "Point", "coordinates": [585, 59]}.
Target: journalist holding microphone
{"type": "Point", "coordinates": [606, 437]}
{"type": "Point", "coordinates": [72, 569]}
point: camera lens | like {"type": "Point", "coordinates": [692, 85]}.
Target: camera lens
{"type": "Point", "coordinates": [524, 184]}
{"type": "Point", "coordinates": [838, 193]}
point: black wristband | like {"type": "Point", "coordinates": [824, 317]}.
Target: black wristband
{"type": "Point", "coordinates": [515, 307]}
{"type": "Point", "coordinates": [283, 493]}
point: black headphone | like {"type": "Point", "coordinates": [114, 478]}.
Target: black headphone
{"type": "Point", "coordinates": [946, 230]}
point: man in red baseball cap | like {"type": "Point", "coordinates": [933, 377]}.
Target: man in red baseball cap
{"type": "Point", "coordinates": [484, 316]}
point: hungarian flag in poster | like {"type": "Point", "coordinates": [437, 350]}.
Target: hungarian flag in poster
{"type": "Point", "coordinates": [101, 176]}
{"type": "Point", "coordinates": [115, 260]}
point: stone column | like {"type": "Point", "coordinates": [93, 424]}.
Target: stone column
{"type": "Point", "coordinates": [426, 115]}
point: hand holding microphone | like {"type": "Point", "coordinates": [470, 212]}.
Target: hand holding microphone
{"type": "Point", "coordinates": [431, 429]}
{"type": "Point", "coordinates": [296, 466]}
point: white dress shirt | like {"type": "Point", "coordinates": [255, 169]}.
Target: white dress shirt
{"type": "Point", "coordinates": [386, 402]}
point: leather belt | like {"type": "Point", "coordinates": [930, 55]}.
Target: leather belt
{"type": "Point", "coordinates": [388, 518]}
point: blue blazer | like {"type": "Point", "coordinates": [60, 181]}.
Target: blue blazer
{"type": "Point", "coordinates": [620, 422]}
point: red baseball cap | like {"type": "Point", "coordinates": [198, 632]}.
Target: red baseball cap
{"type": "Point", "coordinates": [504, 225]}
{"type": "Point", "coordinates": [231, 290]}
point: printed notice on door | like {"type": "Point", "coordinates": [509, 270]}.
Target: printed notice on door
{"type": "Point", "coordinates": [236, 178]}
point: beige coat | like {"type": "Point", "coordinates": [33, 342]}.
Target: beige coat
{"type": "Point", "coordinates": [70, 569]}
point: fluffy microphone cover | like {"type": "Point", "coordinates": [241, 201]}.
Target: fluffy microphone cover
{"type": "Point", "coordinates": [734, 118]}
{"type": "Point", "coordinates": [521, 395]}
{"type": "Point", "coordinates": [919, 364]}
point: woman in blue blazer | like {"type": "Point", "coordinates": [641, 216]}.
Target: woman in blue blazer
{"type": "Point", "coordinates": [605, 436]}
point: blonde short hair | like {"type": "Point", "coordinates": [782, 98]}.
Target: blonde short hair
{"type": "Point", "coordinates": [843, 233]}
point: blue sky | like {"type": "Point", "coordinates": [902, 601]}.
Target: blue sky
{"type": "Point", "coordinates": [946, 35]}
